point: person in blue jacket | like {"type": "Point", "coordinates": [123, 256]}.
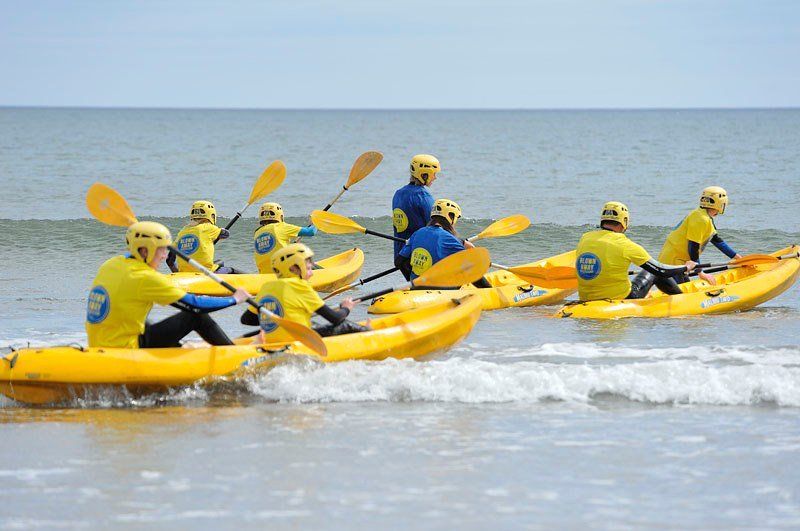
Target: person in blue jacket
{"type": "Point", "coordinates": [434, 242]}
{"type": "Point", "coordinates": [412, 204]}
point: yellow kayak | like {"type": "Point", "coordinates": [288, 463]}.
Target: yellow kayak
{"type": "Point", "coordinates": [58, 374]}
{"type": "Point", "coordinates": [337, 271]}
{"type": "Point", "coordinates": [736, 289]}
{"type": "Point", "coordinates": [507, 291]}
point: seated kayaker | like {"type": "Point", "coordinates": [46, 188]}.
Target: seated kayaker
{"type": "Point", "coordinates": [412, 204]}
{"type": "Point", "coordinates": [126, 287]}
{"type": "Point", "coordinates": [197, 240]}
{"type": "Point", "coordinates": [604, 256]}
{"type": "Point", "coordinates": [292, 297]}
{"type": "Point", "coordinates": [274, 234]}
{"type": "Point", "coordinates": [690, 237]}
{"type": "Point", "coordinates": [434, 242]}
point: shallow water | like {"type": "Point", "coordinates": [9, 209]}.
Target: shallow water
{"type": "Point", "coordinates": [530, 422]}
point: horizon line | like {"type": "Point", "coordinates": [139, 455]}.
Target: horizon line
{"type": "Point", "coordinates": [378, 109]}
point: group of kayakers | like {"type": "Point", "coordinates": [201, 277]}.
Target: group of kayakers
{"type": "Point", "coordinates": [126, 287]}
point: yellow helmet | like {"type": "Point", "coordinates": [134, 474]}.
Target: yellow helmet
{"type": "Point", "coordinates": [447, 209]}
{"type": "Point", "coordinates": [615, 211]}
{"type": "Point", "coordinates": [270, 212]}
{"type": "Point", "coordinates": [203, 210]}
{"type": "Point", "coordinates": [714, 197]}
{"type": "Point", "coordinates": [147, 234]}
{"type": "Point", "coordinates": [423, 167]}
{"type": "Point", "coordinates": [291, 255]}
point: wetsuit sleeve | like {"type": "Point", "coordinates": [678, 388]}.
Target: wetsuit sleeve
{"type": "Point", "coordinates": [207, 302]}
{"type": "Point", "coordinates": [224, 234]}
{"type": "Point", "coordinates": [693, 249]}
{"type": "Point", "coordinates": [309, 231]}
{"type": "Point", "coordinates": [334, 316]}
{"type": "Point", "coordinates": [404, 264]}
{"type": "Point", "coordinates": [662, 270]}
{"type": "Point", "coordinates": [171, 262]}
{"type": "Point", "coordinates": [249, 318]}
{"type": "Point", "coordinates": [723, 246]}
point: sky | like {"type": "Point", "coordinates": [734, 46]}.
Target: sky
{"type": "Point", "coordinates": [401, 53]}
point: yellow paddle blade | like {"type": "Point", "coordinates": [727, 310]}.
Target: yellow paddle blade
{"type": "Point", "coordinates": [457, 269]}
{"type": "Point", "coordinates": [559, 277]}
{"type": "Point", "coordinates": [363, 166]}
{"type": "Point", "coordinates": [108, 206]}
{"type": "Point", "coordinates": [270, 180]}
{"type": "Point", "coordinates": [754, 259]}
{"type": "Point", "coordinates": [334, 223]}
{"type": "Point", "coordinates": [504, 227]}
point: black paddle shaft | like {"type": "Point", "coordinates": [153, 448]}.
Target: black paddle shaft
{"type": "Point", "coordinates": [382, 235]}
{"type": "Point", "coordinates": [232, 221]}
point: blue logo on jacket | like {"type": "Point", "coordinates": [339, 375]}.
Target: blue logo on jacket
{"type": "Point", "coordinates": [274, 305]}
{"type": "Point", "coordinates": [98, 306]}
{"type": "Point", "coordinates": [264, 243]}
{"type": "Point", "coordinates": [588, 266]}
{"type": "Point", "coordinates": [188, 243]}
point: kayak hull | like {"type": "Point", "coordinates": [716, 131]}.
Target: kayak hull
{"type": "Point", "coordinates": [507, 291]}
{"type": "Point", "coordinates": [61, 374]}
{"type": "Point", "coordinates": [337, 271]}
{"type": "Point", "coordinates": [736, 290]}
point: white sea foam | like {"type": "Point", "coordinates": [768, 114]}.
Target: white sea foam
{"type": "Point", "coordinates": [666, 381]}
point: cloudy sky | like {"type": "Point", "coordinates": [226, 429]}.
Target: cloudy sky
{"type": "Point", "coordinates": [401, 53]}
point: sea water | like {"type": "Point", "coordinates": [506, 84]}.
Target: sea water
{"type": "Point", "coordinates": [530, 422]}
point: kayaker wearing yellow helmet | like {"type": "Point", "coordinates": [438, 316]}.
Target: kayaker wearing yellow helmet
{"type": "Point", "coordinates": [434, 242]}
{"type": "Point", "coordinates": [126, 287]}
{"type": "Point", "coordinates": [690, 237]}
{"type": "Point", "coordinates": [604, 256]}
{"type": "Point", "coordinates": [412, 204]}
{"type": "Point", "coordinates": [274, 234]}
{"type": "Point", "coordinates": [292, 297]}
{"type": "Point", "coordinates": [197, 240]}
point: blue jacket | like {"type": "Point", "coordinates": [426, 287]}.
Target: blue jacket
{"type": "Point", "coordinates": [427, 246]}
{"type": "Point", "coordinates": [411, 210]}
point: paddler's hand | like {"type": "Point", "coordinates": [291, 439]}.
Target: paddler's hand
{"type": "Point", "coordinates": [708, 278]}
{"type": "Point", "coordinates": [690, 265]}
{"type": "Point", "coordinates": [240, 295]}
{"type": "Point", "coordinates": [736, 256]}
{"type": "Point", "coordinates": [468, 244]}
{"type": "Point", "coordinates": [348, 303]}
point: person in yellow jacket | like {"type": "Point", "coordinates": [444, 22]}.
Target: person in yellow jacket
{"type": "Point", "coordinates": [689, 237]}
{"type": "Point", "coordinates": [274, 234]}
{"type": "Point", "coordinates": [197, 240]}
{"type": "Point", "coordinates": [603, 257]}
{"type": "Point", "coordinates": [292, 297]}
{"type": "Point", "coordinates": [127, 286]}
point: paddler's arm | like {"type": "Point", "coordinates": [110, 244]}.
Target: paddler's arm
{"type": "Point", "coordinates": [207, 303]}
{"type": "Point", "coordinates": [723, 246]}
{"type": "Point", "coordinates": [665, 271]}
{"type": "Point", "coordinates": [224, 234]}
{"type": "Point", "coordinates": [332, 315]}
{"type": "Point", "coordinates": [309, 231]}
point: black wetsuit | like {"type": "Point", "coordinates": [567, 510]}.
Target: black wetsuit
{"type": "Point", "coordinates": [337, 317]}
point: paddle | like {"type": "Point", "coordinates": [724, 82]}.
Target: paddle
{"type": "Point", "coordinates": [269, 181]}
{"type": "Point", "coordinates": [360, 283]}
{"type": "Point", "coordinates": [335, 224]}
{"type": "Point", "coordinates": [109, 207]}
{"type": "Point", "coordinates": [565, 277]}
{"type": "Point", "coordinates": [503, 227]}
{"type": "Point", "coordinates": [454, 271]}
{"type": "Point", "coordinates": [745, 261]}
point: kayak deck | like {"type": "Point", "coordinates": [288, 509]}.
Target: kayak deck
{"type": "Point", "coordinates": [507, 291]}
{"type": "Point", "coordinates": [337, 271]}
{"type": "Point", "coordinates": [737, 289]}
{"type": "Point", "coordinates": [59, 374]}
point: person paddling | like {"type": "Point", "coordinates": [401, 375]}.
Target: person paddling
{"type": "Point", "coordinates": [412, 204]}
{"type": "Point", "coordinates": [197, 240]}
{"type": "Point", "coordinates": [435, 241]}
{"type": "Point", "coordinates": [274, 234]}
{"type": "Point", "coordinates": [126, 287]}
{"type": "Point", "coordinates": [292, 297]}
{"type": "Point", "coordinates": [603, 257]}
{"type": "Point", "coordinates": [690, 237]}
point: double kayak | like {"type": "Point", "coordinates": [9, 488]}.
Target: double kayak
{"type": "Point", "coordinates": [59, 374]}
{"type": "Point", "coordinates": [507, 291]}
{"type": "Point", "coordinates": [736, 289]}
{"type": "Point", "coordinates": [336, 271]}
